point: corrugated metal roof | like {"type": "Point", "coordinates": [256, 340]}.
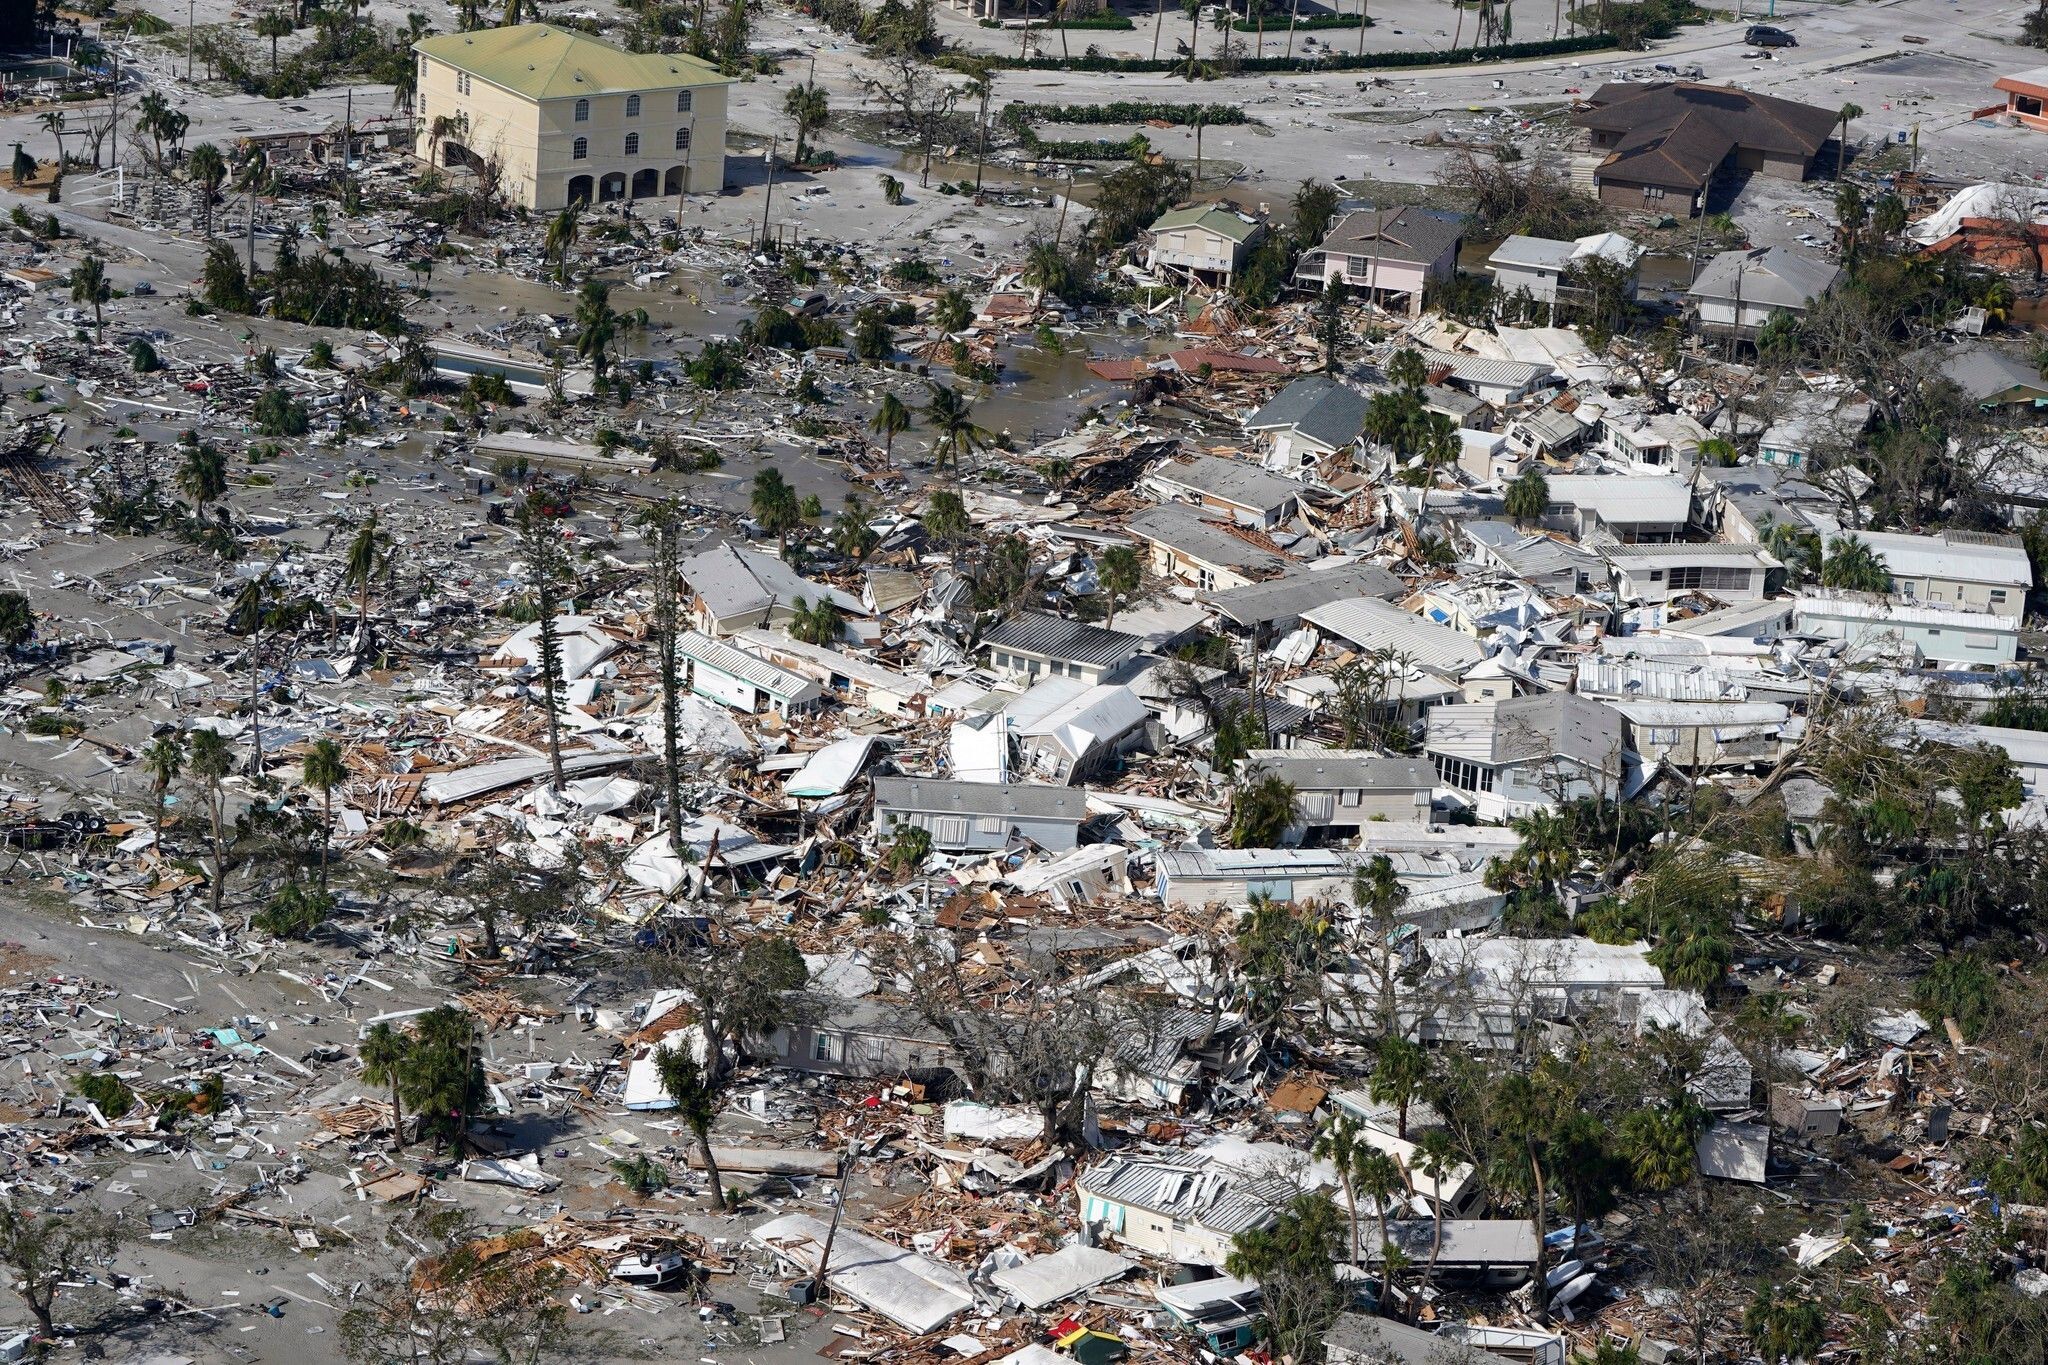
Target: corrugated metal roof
{"type": "Point", "coordinates": [1343, 769]}
{"type": "Point", "coordinates": [1971, 556]}
{"type": "Point", "coordinates": [1373, 624]}
{"type": "Point", "coordinates": [737, 663]}
{"type": "Point", "coordinates": [942, 796]}
{"type": "Point", "coordinates": [1055, 637]}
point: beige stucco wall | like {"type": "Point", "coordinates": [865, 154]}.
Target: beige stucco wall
{"type": "Point", "coordinates": [534, 140]}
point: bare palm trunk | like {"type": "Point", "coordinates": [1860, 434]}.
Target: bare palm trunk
{"type": "Point", "coordinates": [711, 1170]}
{"type": "Point", "coordinates": [1539, 1292]}
{"type": "Point", "coordinates": [327, 842]}
{"type": "Point", "coordinates": [397, 1118]}
{"type": "Point", "coordinates": [1158, 25]}
{"type": "Point", "coordinates": [1458, 34]}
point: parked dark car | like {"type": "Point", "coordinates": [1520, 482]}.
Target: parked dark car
{"type": "Point", "coordinates": [1763, 35]}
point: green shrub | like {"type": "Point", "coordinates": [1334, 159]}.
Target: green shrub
{"type": "Point", "coordinates": [1320, 21]}
{"type": "Point", "coordinates": [641, 1174]}
{"type": "Point", "coordinates": [108, 1092]}
{"type": "Point", "coordinates": [1331, 61]}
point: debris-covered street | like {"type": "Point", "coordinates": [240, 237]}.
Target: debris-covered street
{"type": "Point", "coordinates": [992, 683]}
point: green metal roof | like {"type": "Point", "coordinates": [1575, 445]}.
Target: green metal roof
{"type": "Point", "coordinates": [1219, 220]}
{"type": "Point", "coordinates": [544, 62]}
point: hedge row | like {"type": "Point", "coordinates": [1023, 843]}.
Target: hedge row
{"type": "Point", "coordinates": [1019, 114]}
{"type": "Point", "coordinates": [1331, 61]}
{"type": "Point", "coordinates": [1274, 23]}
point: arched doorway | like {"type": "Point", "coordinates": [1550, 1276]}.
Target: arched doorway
{"type": "Point", "coordinates": [677, 177]}
{"type": "Point", "coordinates": [579, 189]}
{"type": "Point", "coordinates": [645, 182]}
{"type": "Point", "coordinates": [611, 187]}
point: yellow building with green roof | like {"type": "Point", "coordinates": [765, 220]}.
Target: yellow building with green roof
{"type": "Point", "coordinates": [568, 118]}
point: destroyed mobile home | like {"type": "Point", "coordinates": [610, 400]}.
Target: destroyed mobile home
{"type": "Point", "coordinates": [621, 741]}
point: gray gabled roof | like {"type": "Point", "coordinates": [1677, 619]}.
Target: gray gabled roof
{"type": "Point", "coordinates": [1055, 637]}
{"type": "Point", "coordinates": [1534, 253]}
{"type": "Point", "coordinates": [943, 796]}
{"type": "Point", "coordinates": [1182, 528]}
{"type": "Point", "coordinates": [1770, 277]}
{"type": "Point", "coordinates": [733, 582]}
{"type": "Point", "coordinates": [1318, 407]}
{"type": "Point", "coordinates": [1302, 590]}
{"type": "Point", "coordinates": [1239, 482]}
{"type": "Point", "coordinates": [1355, 1339]}
{"type": "Point", "coordinates": [1981, 371]}
{"type": "Point", "coordinates": [1406, 233]}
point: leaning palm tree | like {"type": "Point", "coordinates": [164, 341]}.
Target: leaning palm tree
{"type": "Point", "coordinates": [1435, 1159]}
{"type": "Point", "coordinates": [951, 418]}
{"type": "Point", "coordinates": [324, 772]}
{"type": "Point", "coordinates": [891, 420]}
{"type": "Point", "coordinates": [561, 239]}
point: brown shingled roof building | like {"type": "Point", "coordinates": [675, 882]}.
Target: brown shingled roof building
{"type": "Point", "coordinates": [1667, 141]}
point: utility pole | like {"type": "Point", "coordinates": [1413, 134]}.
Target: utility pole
{"type": "Point", "coordinates": [1065, 199]}
{"type": "Point", "coordinates": [191, 35]}
{"type": "Point", "coordinates": [769, 199]}
{"type": "Point", "coordinates": [981, 133]}
{"type": "Point", "coordinates": [838, 1211]}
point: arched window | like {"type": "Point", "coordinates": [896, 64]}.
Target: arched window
{"type": "Point", "coordinates": [682, 101]}
{"type": "Point", "coordinates": [583, 111]}
{"type": "Point", "coordinates": [682, 139]}
{"type": "Point", "coordinates": [632, 144]}
{"type": "Point", "coordinates": [581, 151]}
{"type": "Point", "coordinates": [632, 106]}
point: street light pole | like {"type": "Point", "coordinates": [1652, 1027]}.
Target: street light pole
{"type": "Point", "coordinates": [769, 199]}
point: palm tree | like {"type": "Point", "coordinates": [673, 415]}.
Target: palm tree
{"type": "Point", "coordinates": [596, 325]}
{"type": "Point", "coordinates": [1435, 1158]}
{"type": "Point", "coordinates": [324, 772]}
{"type": "Point", "coordinates": [1842, 116]}
{"type": "Point", "coordinates": [776, 508]}
{"type": "Point", "coordinates": [951, 418]}
{"type": "Point", "coordinates": [1046, 267]}
{"type": "Point", "coordinates": [1441, 445]}
{"type": "Point", "coordinates": [1193, 10]}
{"type": "Point", "coordinates": [1522, 1115]}
{"type": "Point", "coordinates": [805, 106]}
{"type": "Point", "coordinates": [203, 476]}
{"type": "Point", "coordinates": [210, 761]}
{"type": "Point", "coordinates": [1398, 1077]}
{"type": "Point", "coordinates": [89, 286]}
{"type": "Point", "coordinates": [164, 761]}
{"type": "Point", "coordinates": [1262, 810]}
{"type": "Point", "coordinates": [368, 555]}
{"type": "Point", "coordinates": [1339, 1145]}
{"type": "Point", "coordinates": [1119, 574]}
{"type": "Point", "coordinates": [853, 530]}
{"type": "Point", "coordinates": [1528, 497]}
{"type": "Point", "coordinates": [561, 239]}
{"type": "Point", "coordinates": [891, 420]}
{"type": "Point", "coordinates": [275, 24]}
{"type": "Point", "coordinates": [53, 124]}
{"type": "Point", "coordinates": [1852, 565]}
{"type": "Point", "coordinates": [1377, 1176]}
{"type": "Point", "coordinates": [953, 312]}
{"type": "Point", "coordinates": [814, 623]}
{"type": "Point", "coordinates": [208, 169]}
{"type": "Point", "coordinates": [383, 1054]}
{"type": "Point", "coordinates": [246, 616]}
